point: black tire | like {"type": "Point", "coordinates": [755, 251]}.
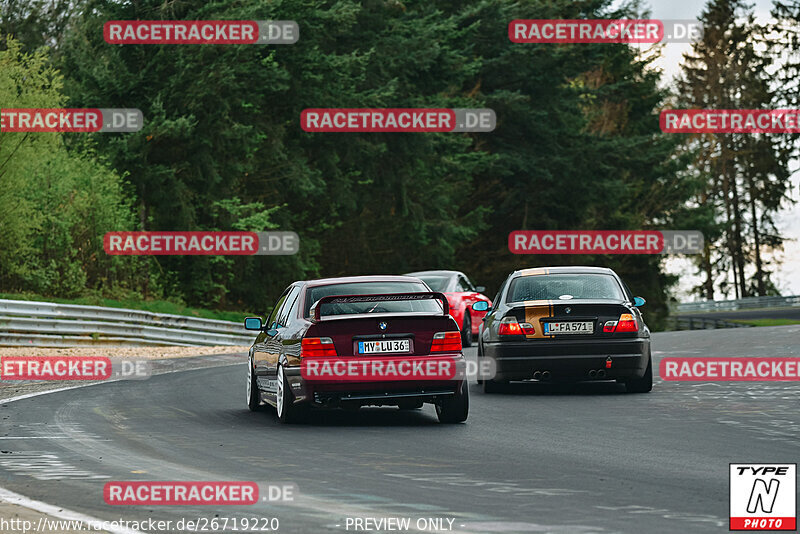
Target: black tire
{"type": "Point", "coordinates": [288, 411]}
{"type": "Point", "coordinates": [410, 404]}
{"type": "Point", "coordinates": [466, 330]}
{"type": "Point", "coordinates": [454, 409]}
{"type": "Point", "coordinates": [253, 395]}
{"type": "Point", "coordinates": [494, 386]}
{"type": "Point", "coordinates": [644, 384]}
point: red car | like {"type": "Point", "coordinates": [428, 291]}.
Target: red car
{"type": "Point", "coordinates": [461, 295]}
{"type": "Point", "coordinates": [358, 341]}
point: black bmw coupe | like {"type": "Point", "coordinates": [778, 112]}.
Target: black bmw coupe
{"type": "Point", "coordinates": [565, 323]}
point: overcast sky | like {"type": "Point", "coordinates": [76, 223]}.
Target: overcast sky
{"type": "Point", "coordinates": [788, 275]}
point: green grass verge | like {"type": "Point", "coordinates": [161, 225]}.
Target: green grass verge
{"type": "Point", "coordinates": [766, 322]}
{"type": "Point", "coordinates": [155, 306]}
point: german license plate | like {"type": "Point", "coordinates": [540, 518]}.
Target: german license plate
{"type": "Point", "coordinates": [569, 327]}
{"type": "Point", "coordinates": [378, 347]}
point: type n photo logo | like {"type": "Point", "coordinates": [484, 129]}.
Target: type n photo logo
{"type": "Point", "coordinates": [763, 497]}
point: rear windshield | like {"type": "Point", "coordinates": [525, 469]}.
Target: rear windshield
{"type": "Point", "coordinates": [313, 294]}
{"type": "Point", "coordinates": [437, 283]}
{"type": "Point", "coordinates": [564, 287]}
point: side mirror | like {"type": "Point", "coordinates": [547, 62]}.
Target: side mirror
{"type": "Point", "coordinates": [480, 289]}
{"type": "Point", "coordinates": [253, 323]}
{"type": "Point", "coordinates": [638, 301]}
{"type": "Point", "coordinates": [480, 306]}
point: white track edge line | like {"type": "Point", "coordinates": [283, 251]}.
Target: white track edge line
{"type": "Point", "coordinates": [63, 513]}
{"type": "Point", "coordinates": [10, 497]}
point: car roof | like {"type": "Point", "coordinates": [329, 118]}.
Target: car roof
{"type": "Point", "coordinates": [564, 269]}
{"type": "Point", "coordinates": [357, 279]}
{"type": "Point", "coordinates": [438, 272]}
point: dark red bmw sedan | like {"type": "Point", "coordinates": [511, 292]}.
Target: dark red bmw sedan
{"type": "Point", "coordinates": [358, 341]}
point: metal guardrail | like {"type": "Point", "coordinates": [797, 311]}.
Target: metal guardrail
{"type": "Point", "coordinates": [700, 323]}
{"type": "Point", "coordinates": [740, 304]}
{"type": "Point", "coordinates": [47, 324]}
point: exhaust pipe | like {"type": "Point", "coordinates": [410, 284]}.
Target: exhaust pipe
{"type": "Point", "coordinates": [592, 373]}
{"type": "Point", "coordinates": [601, 373]}
{"type": "Point", "coordinates": [537, 375]}
{"type": "Point", "coordinates": [546, 375]}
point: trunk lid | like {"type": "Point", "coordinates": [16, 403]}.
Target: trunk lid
{"type": "Point", "coordinates": [596, 312]}
{"type": "Point", "coordinates": [348, 330]}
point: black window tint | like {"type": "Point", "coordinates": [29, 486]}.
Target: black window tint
{"type": "Point", "coordinates": [461, 286]}
{"type": "Point", "coordinates": [467, 284]}
{"type": "Point", "coordinates": [554, 286]}
{"type": "Point", "coordinates": [277, 308]}
{"type": "Point", "coordinates": [370, 288]}
{"type": "Point", "coordinates": [628, 291]}
{"type": "Point", "coordinates": [436, 283]}
{"type": "Point", "coordinates": [496, 300]}
{"type": "Point", "coordinates": [283, 315]}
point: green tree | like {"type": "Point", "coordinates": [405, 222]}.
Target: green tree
{"type": "Point", "coordinates": [748, 174]}
{"type": "Point", "coordinates": [222, 122]}
{"type": "Point", "coordinates": [56, 204]}
{"type": "Point", "coordinates": [577, 145]}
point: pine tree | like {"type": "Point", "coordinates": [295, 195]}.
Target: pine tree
{"type": "Point", "coordinates": [747, 173]}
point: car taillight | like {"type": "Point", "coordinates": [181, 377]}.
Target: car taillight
{"type": "Point", "coordinates": [446, 342]}
{"type": "Point", "coordinates": [609, 326]}
{"type": "Point", "coordinates": [527, 329]}
{"type": "Point", "coordinates": [510, 327]}
{"type": "Point", "coordinates": [317, 347]}
{"type": "Point", "coordinates": [626, 323]}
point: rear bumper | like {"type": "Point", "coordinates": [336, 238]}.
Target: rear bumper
{"type": "Point", "coordinates": [371, 392]}
{"type": "Point", "coordinates": [568, 359]}
{"type": "Point", "coordinates": [378, 397]}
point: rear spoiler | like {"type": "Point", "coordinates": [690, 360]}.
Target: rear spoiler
{"type": "Point", "coordinates": [316, 309]}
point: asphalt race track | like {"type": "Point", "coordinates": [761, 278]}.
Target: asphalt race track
{"type": "Point", "coordinates": [541, 458]}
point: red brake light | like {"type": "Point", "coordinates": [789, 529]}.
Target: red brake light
{"type": "Point", "coordinates": [626, 323]}
{"type": "Point", "coordinates": [317, 347]}
{"type": "Point", "coordinates": [446, 342]}
{"type": "Point", "coordinates": [527, 329]}
{"type": "Point", "coordinates": [510, 327]}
